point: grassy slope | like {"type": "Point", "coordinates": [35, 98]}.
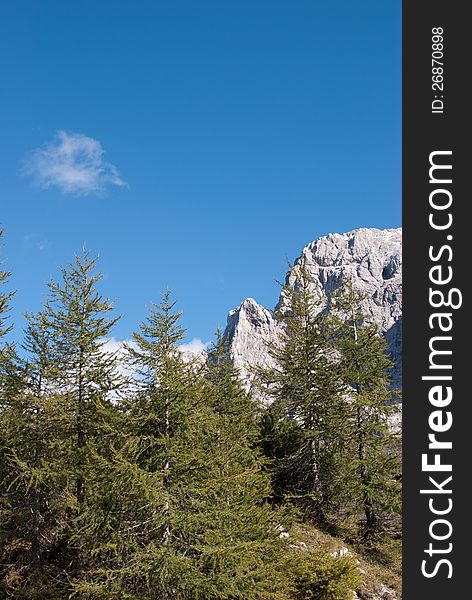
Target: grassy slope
{"type": "Point", "coordinates": [380, 567]}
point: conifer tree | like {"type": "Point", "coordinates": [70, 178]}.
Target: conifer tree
{"type": "Point", "coordinates": [183, 494]}
{"type": "Point", "coordinates": [20, 489]}
{"type": "Point", "coordinates": [78, 317]}
{"type": "Point", "coordinates": [308, 408]}
{"type": "Point", "coordinates": [82, 376]}
{"type": "Point", "coordinates": [228, 397]}
{"type": "Point", "coordinates": [365, 367]}
{"type": "Point", "coordinates": [31, 513]}
{"type": "Point", "coordinates": [245, 549]}
{"type": "Point", "coordinates": [143, 542]}
{"type": "Point", "coordinates": [56, 424]}
{"type": "Point", "coordinates": [9, 381]}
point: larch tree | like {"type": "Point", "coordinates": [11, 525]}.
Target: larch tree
{"type": "Point", "coordinates": [364, 366]}
{"type": "Point", "coordinates": [23, 439]}
{"type": "Point", "coordinates": [242, 550]}
{"type": "Point", "coordinates": [185, 486]}
{"type": "Point", "coordinates": [33, 506]}
{"type": "Point", "coordinates": [9, 383]}
{"type": "Point", "coordinates": [144, 540]}
{"type": "Point", "coordinates": [308, 408]}
{"type": "Point", "coordinates": [84, 379]}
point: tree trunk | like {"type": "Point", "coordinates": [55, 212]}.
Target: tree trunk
{"type": "Point", "coordinates": [367, 504]}
{"type": "Point", "coordinates": [317, 485]}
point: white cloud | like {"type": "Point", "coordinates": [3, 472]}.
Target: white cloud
{"type": "Point", "coordinates": [119, 348]}
{"type": "Point", "coordinates": [113, 345]}
{"type": "Point", "coordinates": [74, 163]}
{"type": "Point", "coordinates": [196, 346]}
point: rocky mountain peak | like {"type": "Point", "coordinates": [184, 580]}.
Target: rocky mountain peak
{"type": "Point", "coordinates": [370, 258]}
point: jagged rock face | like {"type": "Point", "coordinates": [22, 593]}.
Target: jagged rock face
{"type": "Point", "coordinates": [249, 329]}
{"type": "Point", "coordinates": [370, 258]}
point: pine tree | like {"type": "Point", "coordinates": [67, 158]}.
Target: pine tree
{"type": "Point", "coordinates": [141, 524]}
{"type": "Point", "coordinates": [78, 317]}
{"type": "Point", "coordinates": [20, 503]}
{"type": "Point", "coordinates": [245, 549]}
{"type": "Point", "coordinates": [31, 512]}
{"type": "Point", "coordinates": [308, 407]}
{"type": "Point", "coordinates": [182, 501]}
{"type": "Point", "coordinates": [9, 382]}
{"type": "Point", "coordinates": [56, 425]}
{"type": "Point", "coordinates": [81, 378]}
{"type": "Point", "coordinates": [365, 369]}
{"type": "Point", "coordinates": [229, 398]}
{"type": "Point", "coordinates": [167, 402]}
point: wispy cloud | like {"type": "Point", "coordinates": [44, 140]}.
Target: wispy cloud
{"type": "Point", "coordinates": [193, 349]}
{"type": "Point", "coordinates": [74, 163]}
{"type": "Point", "coordinates": [112, 344]}
{"type": "Point", "coordinates": [119, 349]}
{"type": "Point", "coordinates": [195, 346]}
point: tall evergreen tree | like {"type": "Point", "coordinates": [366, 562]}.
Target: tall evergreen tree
{"type": "Point", "coordinates": [245, 549]}
{"type": "Point", "coordinates": [142, 525]}
{"type": "Point", "coordinates": [78, 317]}
{"type": "Point", "coordinates": [182, 502]}
{"type": "Point", "coordinates": [86, 377]}
{"type": "Point", "coordinates": [58, 428]}
{"type": "Point", "coordinates": [9, 381]}
{"type": "Point", "coordinates": [20, 470]}
{"type": "Point", "coordinates": [308, 405]}
{"type": "Point", "coordinates": [365, 370]}
{"type": "Point", "coordinates": [32, 501]}
{"type": "Point", "coordinates": [229, 397]}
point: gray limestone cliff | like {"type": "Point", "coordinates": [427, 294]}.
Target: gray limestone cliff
{"type": "Point", "coordinates": [370, 258]}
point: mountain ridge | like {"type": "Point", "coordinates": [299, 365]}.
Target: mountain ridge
{"type": "Point", "coordinates": [370, 257]}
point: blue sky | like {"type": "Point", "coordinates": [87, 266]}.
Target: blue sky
{"type": "Point", "coordinates": [202, 142]}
